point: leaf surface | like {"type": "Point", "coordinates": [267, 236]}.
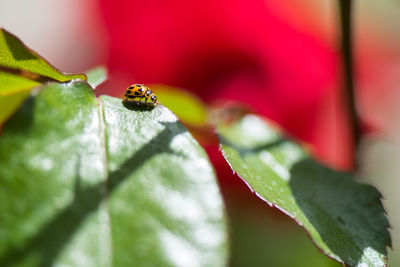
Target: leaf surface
{"type": "Point", "coordinates": [345, 219]}
{"type": "Point", "coordinates": [90, 182]}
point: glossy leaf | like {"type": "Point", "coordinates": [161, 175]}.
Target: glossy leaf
{"type": "Point", "coordinates": [21, 69]}
{"type": "Point", "coordinates": [90, 182]}
{"type": "Point", "coordinates": [345, 219]}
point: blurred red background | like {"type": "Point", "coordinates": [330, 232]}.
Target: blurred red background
{"type": "Point", "coordinates": [279, 57]}
{"type": "Point", "coordinates": [235, 50]}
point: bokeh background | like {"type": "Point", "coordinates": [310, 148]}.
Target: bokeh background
{"type": "Point", "coordinates": [280, 58]}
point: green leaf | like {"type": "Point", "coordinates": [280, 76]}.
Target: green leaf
{"type": "Point", "coordinates": [345, 219]}
{"type": "Point", "coordinates": [13, 91]}
{"type": "Point", "coordinates": [96, 76]}
{"type": "Point", "coordinates": [21, 69]}
{"type": "Point", "coordinates": [90, 182]}
{"type": "Point", "coordinates": [14, 55]}
{"type": "Point", "coordinates": [188, 107]}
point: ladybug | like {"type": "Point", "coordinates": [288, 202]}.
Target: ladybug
{"type": "Point", "coordinates": [137, 92]}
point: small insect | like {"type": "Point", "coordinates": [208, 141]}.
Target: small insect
{"type": "Point", "coordinates": [138, 92]}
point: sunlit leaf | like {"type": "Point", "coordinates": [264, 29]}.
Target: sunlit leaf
{"type": "Point", "coordinates": [13, 91]}
{"type": "Point", "coordinates": [345, 219]}
{"type": "Point", "coordinates": [14, 55]}
{"type": "Point", "coordinates": [21, 69]}
{"type": "Point", "coordinates": [91, 182]}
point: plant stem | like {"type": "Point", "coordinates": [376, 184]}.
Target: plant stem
{"type": "Point", "coordinates": [347, 58]}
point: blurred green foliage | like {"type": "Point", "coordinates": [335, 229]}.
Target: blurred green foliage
{"type": "Point", "coordinates": [186, 106]}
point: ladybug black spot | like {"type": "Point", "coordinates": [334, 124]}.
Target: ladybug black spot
{"type": "Point", "coordinates": [136, 93]}
{"type": "Point", "coordinates": [130, 87]}
{"type": "Point", "coordinates": [128, 91]}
